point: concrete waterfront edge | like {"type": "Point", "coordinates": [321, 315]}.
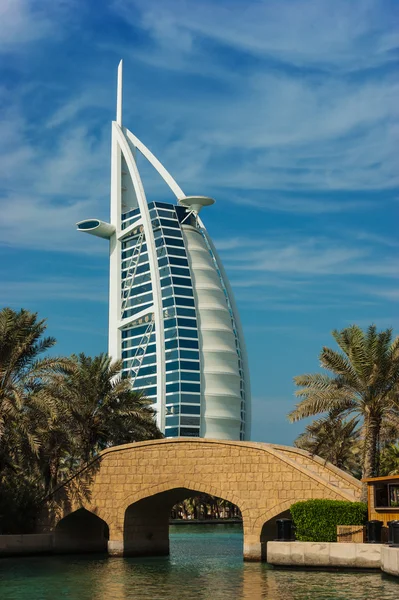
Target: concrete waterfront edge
{"type": "Point", "coordinates": [390, 560]}
{"type": "Point", "coordinates": [26, 544]}
{"type": "Point", "coordinates": [289, 554]}
{"type": "Point", "coordinates": [334, 554]}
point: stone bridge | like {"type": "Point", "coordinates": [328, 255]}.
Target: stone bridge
{"type": "Point", "coordinates": [122, 502]}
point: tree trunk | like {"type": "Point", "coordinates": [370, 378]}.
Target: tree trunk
{"type": "Point", "coordinates": [372, 433]}
{"type": "Point", "coordinates": [370, 462]}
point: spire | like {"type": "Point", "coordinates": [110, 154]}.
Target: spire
{"type": "Point", "coordinates": [119, 95]}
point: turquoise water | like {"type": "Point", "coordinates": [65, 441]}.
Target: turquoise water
{"type": "Point", "coordinates": [205, 564]}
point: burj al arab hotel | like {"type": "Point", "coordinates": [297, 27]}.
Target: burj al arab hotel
{"type": "Point", "coordinates": [172, 316]}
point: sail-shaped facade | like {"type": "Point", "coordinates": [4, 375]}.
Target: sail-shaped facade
{"type": "Point", "coordinates": [172, 316]}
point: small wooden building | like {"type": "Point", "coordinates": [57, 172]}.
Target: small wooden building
{"type": "Point", "coordinates": [383, 498]}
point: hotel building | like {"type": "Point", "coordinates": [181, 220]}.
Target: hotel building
{"type": "Point", "coordinates": [172, 316]}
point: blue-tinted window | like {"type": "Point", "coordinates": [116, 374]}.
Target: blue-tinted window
{"type": "Point", "coordinates": [150, 348]}
{"type": "Point", "coordinates": [167, 214]}
{"type": "Point", "coordinates": [180, 291]}
{"type": "Point", "coordinates": [137, 332]}
{"type": "Point", "coordinates": [175, 260]}
{"type": "Point", "coordinates": [189, 376]}
{"type": "Point", "coordinates": [182, 281]}
{"type": "Point", "coordinates": [192, 398]}
{"type": "Point", "coordinates": [135, 300]}
{"type": "Point", "coordinates": [130, 213]}
{"type": "Point", "coordinates": [159, 242]}
{"type": "Point", "coordinates": [170, 344]}
{"type": "Point", "coordinates": [162, 262]}
{"type": "Point", "coordinates": [170, 333]}
{"type": "Point", "coordinates": [134, 342]}
{"type": "Point", "coordinates": [164, 271]}
{"type": "Point", "coordinates": [189, 387]}
{"type": "Point", "coordinates": [175, 233]}
{"type": "Point", "coordinates": [170, 398]}
{"type": "Point", "coordinates": [187, 322]}
{"type": "Point", "coordinates": [190, 333]}
{"type": "Point", "coordinates": [186, 312]}
{"type": "Point", "coordinates": [166, 281]}
{"type": "Point", "coordinates": [173, 376]}
{"type": "Point", "coordinates": [189, 432]}
{"type": "Point", "coordinates": [143, 381]}
{"type": "Point", "coordinates": [149, 360]}
{"type": "Point", "coordinates": [169, 223]}
{"type": "Point", "coordinates": [188, 343]}
{"type": "Point", "coordinates": [128, 253]}
{"type": "Point", "coordinates": [174, 387]}
{"type": "Point", "coordinates": [169, 323]}
{"type": "Point", "coordinates": [164, 205]}
{"type": "Point", "coordinates": [171, 420]}
{"type": "Point", "coordinates": [177, 252]}
{"type": "Point", "coordinates": [190, 421]}
{"type": "Point", "coordinates": [190, 409]}
{"type": "Point", "coordinates": [169, 241]}
{"type": "Point", "coordinates": [172, 355]}
{"type": "Point", "coordinates": [166, 292]}
{"type": "Point", "coordinates": [147, 370]}
{"type": "Point", "coordinates": [133, 311]}
{"type": "Point", "coordinates": [140, 289]}
{"type": "Point", "coordinates": [172, 366]}
{"type": "Point", "coordinates": [172, 432]}
{"type": "Point", "coordinates": [142, 268]}
{"type": "Point", "coordinates": [168, 302]}
{"type": "Point", "coordinates": [189, 354]}
{"type": "Point", "coordinates": [133, 331]}
{"type": "Point", "coordinates": [189, 365]}
{"type": "Point", "coordinates": [184, 301]}
{"type": "Point", "coordinates": [180, 271]}
{"type": "Point", "coordinates": [151, 391]}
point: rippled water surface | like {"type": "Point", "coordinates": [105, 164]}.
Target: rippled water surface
{"type": "Point", "coordinates": [205, 564]}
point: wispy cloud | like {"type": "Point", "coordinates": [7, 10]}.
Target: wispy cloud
{"type": "Point", "coordinates": [300, 33]}
{"type": "Point", "coordinates": [72, 289]}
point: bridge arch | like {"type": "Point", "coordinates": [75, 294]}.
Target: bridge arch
{"type": "Point", "coordinates": [81, 531]}
{"type": "Point", "coordinates": [146, 519]}
{"type": "Point", "coordinates": [263, 480]}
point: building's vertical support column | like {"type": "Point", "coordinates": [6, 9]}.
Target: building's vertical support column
{"type": "Point", "coordinates": [114, 334]}
{"type": "Point", "coordinates": [153, 262]}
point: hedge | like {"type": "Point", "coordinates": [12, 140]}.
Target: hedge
{"type": "Point", "coordinates": [317, 520]}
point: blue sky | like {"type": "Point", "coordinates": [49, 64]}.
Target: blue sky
{"type": "Point", "coordinates": [285, 111]}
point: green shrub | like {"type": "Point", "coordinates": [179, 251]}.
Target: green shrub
{"type": "Point", "coordinates": [317, 520]}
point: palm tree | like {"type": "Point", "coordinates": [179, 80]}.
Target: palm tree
{"type": "Point", "coordinates": [389, 460]}
{"type": "Point", "coordinates": [335, 439]}
{"type": "Point", "coordinates": [364, 382]}
{"type": "Point", "coordinates": [104, 410]}
{"type": "Point", "coordinates": [24, 377]}
{"type": "Point", "coordinates": [26, 407]}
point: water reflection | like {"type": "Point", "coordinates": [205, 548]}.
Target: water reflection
{"type": "Point", "coordinates": [205, 564]}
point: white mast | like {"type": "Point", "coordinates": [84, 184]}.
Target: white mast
{"type": "Point", "coordinates": [119, 94]}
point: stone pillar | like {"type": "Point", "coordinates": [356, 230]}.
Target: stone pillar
{"type": "Point", "coordinates": [115, 547]}
{"type": "Point", "coordinates": [252, 547]}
